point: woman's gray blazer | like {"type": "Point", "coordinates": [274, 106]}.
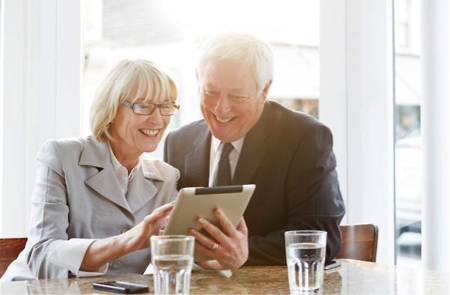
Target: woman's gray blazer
{"type": "Point", "coordinates": [78, 198]}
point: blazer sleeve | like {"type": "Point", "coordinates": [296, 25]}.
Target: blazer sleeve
{"type": "Point", "coordinates": [49, 222]}
{"type": "Point", "coordinates": [312, 196]}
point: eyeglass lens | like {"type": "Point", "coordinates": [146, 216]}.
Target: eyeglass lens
{"type": "Point", "coordinates": [165, 110]}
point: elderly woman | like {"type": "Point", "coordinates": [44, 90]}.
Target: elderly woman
{"type": "Point", "coordinates": [97, 200]}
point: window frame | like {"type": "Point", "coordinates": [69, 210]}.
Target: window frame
{"type": "Point", "coordinates": [42, 50]}
{"type": "Point", "coordinates": [357, 103]}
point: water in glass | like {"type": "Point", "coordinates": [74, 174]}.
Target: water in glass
{"type": "Point", "coordinates": [172, 274]}
{"type": "Point", "coordinates": [305, 266]}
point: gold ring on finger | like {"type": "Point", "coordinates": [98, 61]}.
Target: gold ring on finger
{"type": "Point", "coordinates": [215, 247]}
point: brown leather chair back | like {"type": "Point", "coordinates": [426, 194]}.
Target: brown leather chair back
{"type": "Point", "coordinates": [9, 250]}
{"type": "Point", "coordinates": [359, 242]}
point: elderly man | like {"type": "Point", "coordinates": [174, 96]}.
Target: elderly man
{"type": "Point", "coordinates": [244, 138]}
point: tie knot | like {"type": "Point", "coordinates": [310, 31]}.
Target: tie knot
{"type": "Point", "coordinates": [226, 149]}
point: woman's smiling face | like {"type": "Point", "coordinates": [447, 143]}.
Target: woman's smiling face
{"type": "Point", "coordinates": [138, 133]}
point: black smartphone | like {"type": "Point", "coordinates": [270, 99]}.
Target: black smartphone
{"type": "Point", "coordinates": [121, 287]}
{"type": "Point", "coordinates": [333, 264]}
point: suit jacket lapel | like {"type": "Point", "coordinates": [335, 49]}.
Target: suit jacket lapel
{"type": "Point", "coordinates": [142, 189]}
{"type": "Point", "coordinates": [196, 163]}
{"type": "Point", "coordinates": [256, 145]}
{"type": "Point", "coordinates": [104, 182]}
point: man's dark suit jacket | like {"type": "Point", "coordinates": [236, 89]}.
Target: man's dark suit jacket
{"type": "Point", "coordinates": [288, 156]}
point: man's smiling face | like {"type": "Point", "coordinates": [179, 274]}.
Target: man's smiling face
{"type": "Point", "coordinates": [230, 103]}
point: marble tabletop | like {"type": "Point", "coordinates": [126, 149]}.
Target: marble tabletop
{"type": "Point", "coordinates": [353, 277]}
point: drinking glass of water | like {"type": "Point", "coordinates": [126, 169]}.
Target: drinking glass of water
{"type": "Point", "coordinates": [305, 255]}
{"type": "Point", "coordinates": [172, 258]}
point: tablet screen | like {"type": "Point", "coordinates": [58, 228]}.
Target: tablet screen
{"type": "Point", "coordinates": [193, 203]}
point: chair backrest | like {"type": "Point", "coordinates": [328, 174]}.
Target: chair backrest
{"type": "Point", "coordinates": [9, 250]}
{"type": "Point", "coordinates": [359, 242]}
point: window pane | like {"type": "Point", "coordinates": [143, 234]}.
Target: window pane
{"type": "Point", "coordinates": [408, 147]}
{"type": "Point", "coordinates": [170, 33]}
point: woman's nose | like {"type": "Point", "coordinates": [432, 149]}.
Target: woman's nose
{"type": "Point", "coordinates": [156, 116]}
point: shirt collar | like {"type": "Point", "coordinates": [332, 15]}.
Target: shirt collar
{"type": "Point", "coordinates": [117, 165]}
{"type": "Point", "coordinates": [236, 144]}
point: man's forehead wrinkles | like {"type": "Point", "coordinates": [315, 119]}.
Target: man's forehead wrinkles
{"type": "Point", "coordinates": [230, 87]}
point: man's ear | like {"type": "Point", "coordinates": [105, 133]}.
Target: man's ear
{"type": "Point", "coordinates": [265, 91]}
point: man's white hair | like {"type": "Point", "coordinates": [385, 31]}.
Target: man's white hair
{"type": "Point", "coordinates": [255, 52]}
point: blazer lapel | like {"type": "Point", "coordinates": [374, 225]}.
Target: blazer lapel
{"type": "Point", "coordinates": [256, 145]}
{"type": "Point", "coordinates": [196, 163]}
{"type": "Point", "coordinates": [104, 182]}
{"type": "Point", "coordinates": [142, 189]}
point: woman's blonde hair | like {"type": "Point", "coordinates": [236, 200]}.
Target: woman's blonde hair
{"type": "Point", "coordinates": [133, 80]}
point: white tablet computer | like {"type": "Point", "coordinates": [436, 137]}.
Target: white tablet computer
{"type": "Point", "coordinates": [193, 203]}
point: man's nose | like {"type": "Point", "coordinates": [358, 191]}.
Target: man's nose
{"type": "Point", "coordinates": [223, 104]}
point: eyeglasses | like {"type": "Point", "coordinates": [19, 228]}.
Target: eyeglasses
{"type": "Point", "coordinates": [148, 108]}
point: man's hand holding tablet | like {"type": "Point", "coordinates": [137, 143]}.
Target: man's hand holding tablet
{"type": "Point", "coordinates": [214, 216]}
{"type": "Point", "coordinates": [230, 248]}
